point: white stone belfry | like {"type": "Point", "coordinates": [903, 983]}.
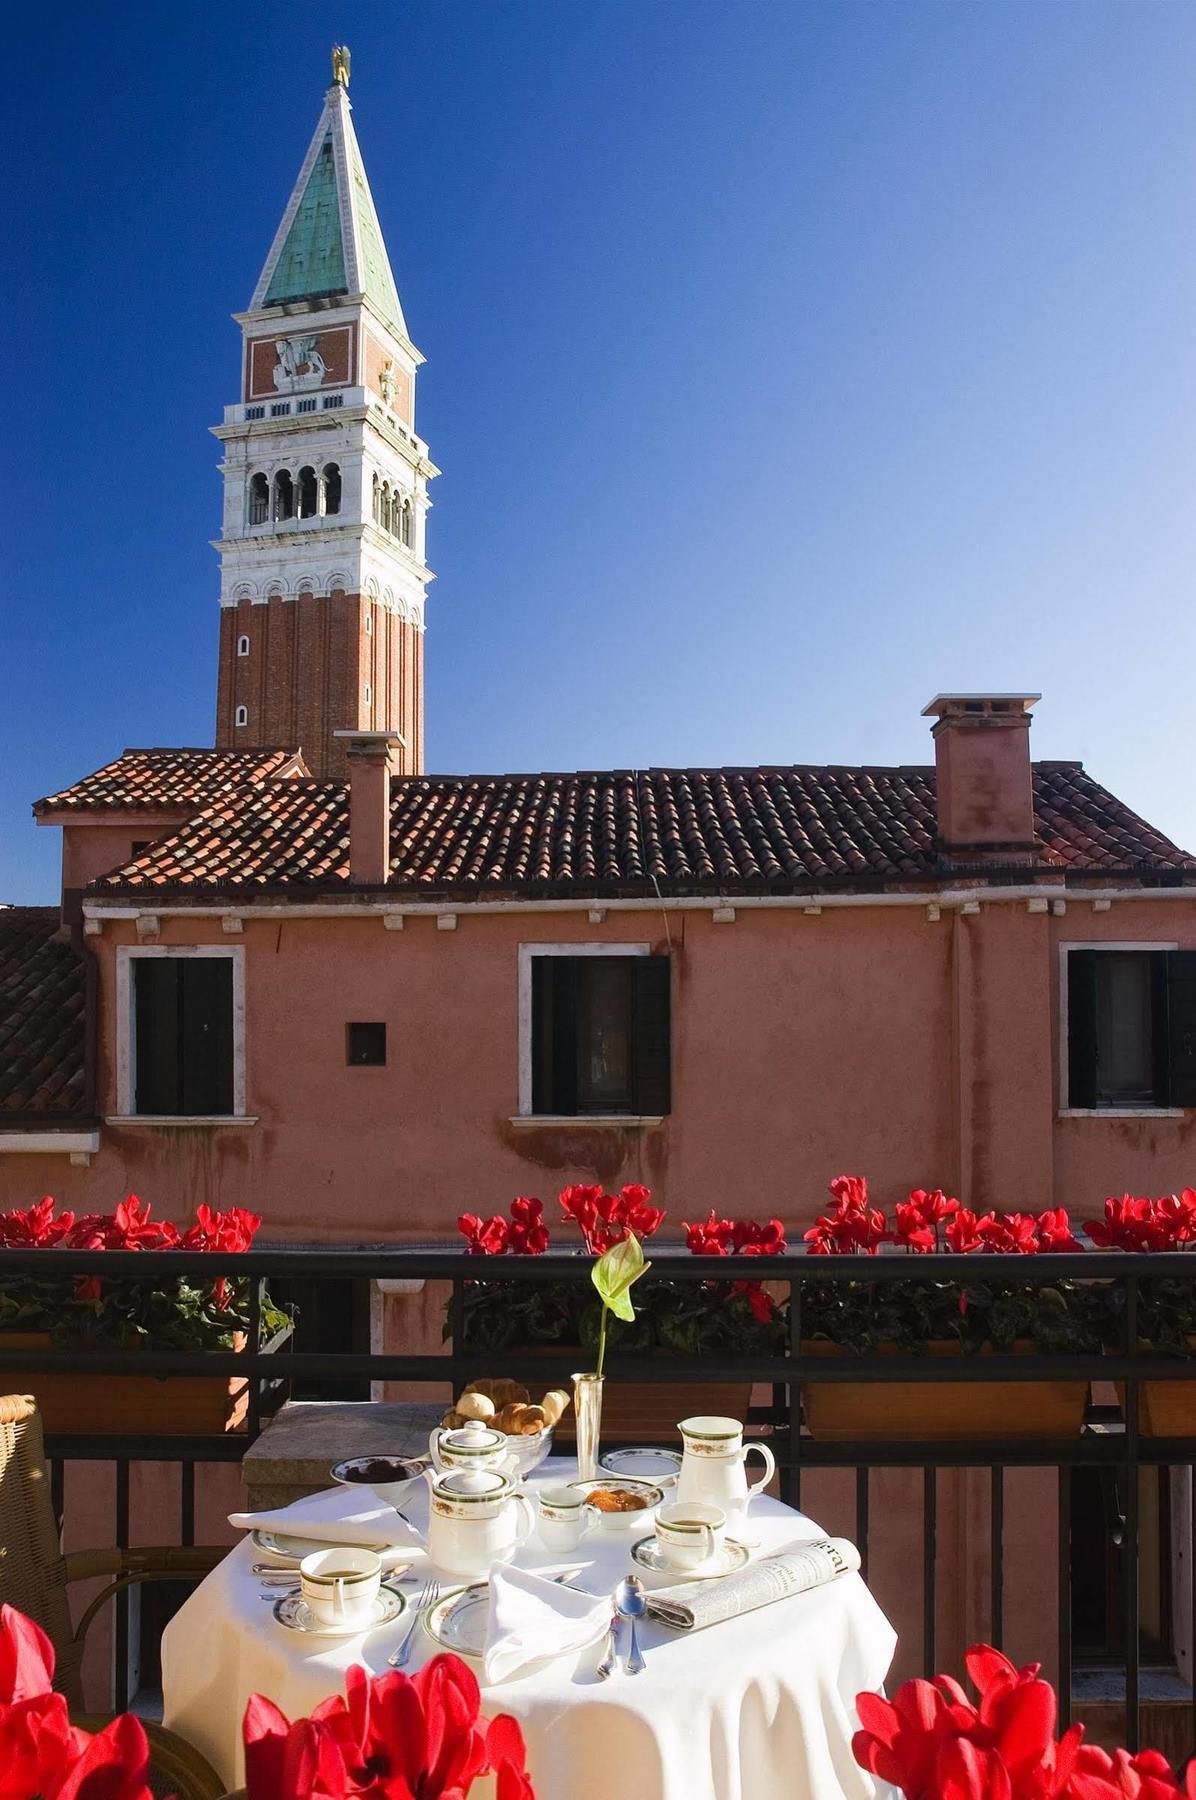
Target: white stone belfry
{"type": "Point", "coordinates": [325, 480]}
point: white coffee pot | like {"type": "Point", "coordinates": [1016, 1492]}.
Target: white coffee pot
{"type": "Point", "coordinates": [712, 1468]}
{"type": "Point", "coordinates": [476, 1518]}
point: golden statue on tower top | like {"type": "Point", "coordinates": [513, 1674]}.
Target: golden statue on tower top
{"type": "Point", "coordinates": [340, 64]}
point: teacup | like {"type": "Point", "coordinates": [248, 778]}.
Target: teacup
{"type": "Point", "coordinates": [690, 1533]}
{"type": "Point", "coordinates": [564, 1517]}
{"type": "Point", "coordinates": [340, 1586]}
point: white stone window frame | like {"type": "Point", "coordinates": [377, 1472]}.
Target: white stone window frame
{"type": "Point", "coordinates": [243, 645]}
{"type": "Point", "coordinates": [126, 1028]}
{"type": "Point", "coordinates": [1066, 1110]}
{"type": "Point", "coordinates": [527, 954]}
{"type": "Point", "coordinates": [241, 716]}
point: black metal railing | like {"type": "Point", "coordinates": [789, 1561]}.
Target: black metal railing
{"type": "Point", "coordinates": [1112, 1442]}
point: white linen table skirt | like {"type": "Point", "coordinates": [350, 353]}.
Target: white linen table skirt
{"type": "Point", "coordinates": [759, 1708]}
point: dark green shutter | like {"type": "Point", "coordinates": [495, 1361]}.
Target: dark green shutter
{"type": "Point", "coordinates": [206, 1035]}
{"type": "Point", "coordinates": [554, 1034]}
{"type": "Point", "coordinates": [1181, 1027]}
{"type": "Point", "coordinates": [183, 1011]}
{"type": "Point", "coordinates": [650, 1035]}
{"type": "Point", "coordinates": [1081, 1028]}
{"type": "Point", "coordinates": [156, 1029]}
{"type": "Point", "coordinates": [1160, 1037]}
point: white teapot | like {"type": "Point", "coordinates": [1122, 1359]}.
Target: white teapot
{"type": "Point", "coordinates": [476, 1518]}
{"type": "Point", "coordinates": [712, 1468]}
{"type": "Point", "coordinates": [473, 1445]}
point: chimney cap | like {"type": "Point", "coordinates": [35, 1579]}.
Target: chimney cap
{"type": "Point", "coordinates": [942, 704]}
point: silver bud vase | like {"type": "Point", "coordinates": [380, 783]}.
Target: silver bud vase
{"type": "Point", "coordinates": [587, 1412]}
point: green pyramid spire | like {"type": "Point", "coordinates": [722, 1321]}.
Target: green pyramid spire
{"type": "Point", "coordinates": [312, 261]}
{"type": "Point", "coordinates": [330, 241]}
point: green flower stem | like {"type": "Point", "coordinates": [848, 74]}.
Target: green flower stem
{"type": "Point", "coordinates": [602, 1341]}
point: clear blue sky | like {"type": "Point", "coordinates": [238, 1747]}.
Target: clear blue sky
{"type": "Point", "coordinates": [787, 363]}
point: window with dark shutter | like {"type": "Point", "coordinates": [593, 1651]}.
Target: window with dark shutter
{"type": "Point", "coordinates": [600, 1035]}
{"type": "Point", "coordinates": [1131, 1029]}
{"type": "Point", "coordinates": [183, 1030]}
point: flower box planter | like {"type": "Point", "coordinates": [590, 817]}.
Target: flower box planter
{"type": "Point", "coordinates": [1166, 1409]}
{"type": "Point", "coordinates": [890, 1412]}
{"type": "Point", "coordinates": [76, 1404]}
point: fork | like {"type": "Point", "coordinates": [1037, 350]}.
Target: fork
{"type": "Point", "coordinates": [427, 1596]}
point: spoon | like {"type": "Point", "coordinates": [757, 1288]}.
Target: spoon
{"type": "Point", "coordinates": [631, 1604]}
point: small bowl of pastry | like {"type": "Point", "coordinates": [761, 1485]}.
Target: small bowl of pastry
{"type": "Point", "coordinates": [621, 1504]}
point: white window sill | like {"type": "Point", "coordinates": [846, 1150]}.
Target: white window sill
{"type": "Point", "coordinates": [586, 1121]}
{"type": "Point", "coordinates": [49, 1142]}
{"type": "Point", "coordinates": [1120, 1112]}
{"type": "Point", "coordinates": [166, 1120]}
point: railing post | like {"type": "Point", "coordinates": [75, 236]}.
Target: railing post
{"type": "Point", "coordinates": [254, 1422]}
{"type": "Point", "coordinates": [1132, 1545]}
{"type": "Point", "coordinates": [1063, 1577]}
{"type": "Point", "coordinates": [791, 1479]}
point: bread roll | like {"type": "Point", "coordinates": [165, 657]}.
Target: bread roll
{"type": "Point", "coordinates": [500, 1389]}
{"type": "Point", "coordinates": [555, 1404]}
{"type": "Point", "coordinates": [476, 1406]}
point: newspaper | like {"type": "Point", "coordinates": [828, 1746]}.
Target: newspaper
{"type": "Point", "coordinates": [692, 1605]}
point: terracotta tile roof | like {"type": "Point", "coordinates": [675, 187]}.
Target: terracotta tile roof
{"type": "Point", "coordinates": [42, 1013]}
{"type": "Point", "coordinates": [156, 780]}
{"type": "Point", "coordinates": [682, 830]}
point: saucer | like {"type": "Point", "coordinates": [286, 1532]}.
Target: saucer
{"type": "Point", "coordinates": [293, 1612]}
{"type": "Point", "coordinates": [661, 1467]}
{"type": "Point", "coordinates": [727, 1561]}
{"type": "Point", "coordinates": [294, 1549]}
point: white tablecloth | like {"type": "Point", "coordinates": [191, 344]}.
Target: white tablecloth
{"type": "Point", "coordinates": [758, 1708]}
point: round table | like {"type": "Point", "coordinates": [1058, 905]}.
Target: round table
{"type": "Point", "coordinates": [761, 1705]}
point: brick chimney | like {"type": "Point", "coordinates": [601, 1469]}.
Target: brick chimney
{"type": "Point", "coordinates": [372, 755]}
{"type": "Point", "coordinates": [985, 788]}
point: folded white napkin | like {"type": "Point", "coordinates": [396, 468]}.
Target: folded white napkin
{"type": "Point", "coordinates": [531, 1617]}
{"type": "Point", "coordinates": [335, 1517]}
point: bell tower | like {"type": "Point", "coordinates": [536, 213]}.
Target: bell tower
{"type": "Point", "coordinates": [322, 571]}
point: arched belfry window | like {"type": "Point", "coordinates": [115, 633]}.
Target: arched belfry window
{"type": "Point", "coordinates": [384, 507]}
{"type": "Point", "coordinates": [241, 716]}
{"type": "Point", "coordinates": [284, 495]}
{"type": "Point", "coordinates": [242, 646]}
{"type": "Point", "coordinates": [332, 487]}
{"type": "Point", "coordinates": [405, 524]}
{"type": "Point", "coordinates": [259, 500]}
{"type": "Point", "coordinates": [307, 493]}
{"type": "Point", "coordinates": [377, 500]}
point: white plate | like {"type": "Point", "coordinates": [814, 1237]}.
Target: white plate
{"type": "Point", "coordinates": [659, 1466]}
{"type": "Point", "coordinates": [728, 1561]}
{"type": "Point", "coordinates": [458, 1621]}
{"type": "Point", "coordinates": [292, 1611]}
{"type": "Point", "coordinates": [294, 1549]}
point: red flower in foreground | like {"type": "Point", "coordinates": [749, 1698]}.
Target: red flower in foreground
{"type": "Point", "coordinates": [391, 1737]}
{"type": "Point", "coordinates": [41, 1752]}
{"type": "Point", "coordinates": [933, 1743]}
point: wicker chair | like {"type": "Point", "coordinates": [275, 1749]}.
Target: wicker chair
{"type": "Point", "coordinates": [34, 1576]}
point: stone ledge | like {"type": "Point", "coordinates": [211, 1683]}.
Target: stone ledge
{"type": "Point", "coordinates": [295, 1451]}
